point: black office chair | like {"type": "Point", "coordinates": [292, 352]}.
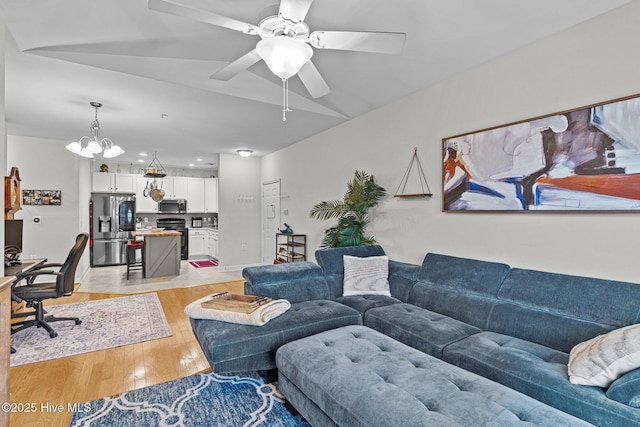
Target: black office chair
{"type": "Point", "coordinates": [35, 293]}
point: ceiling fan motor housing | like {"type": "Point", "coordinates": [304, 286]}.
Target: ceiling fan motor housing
{"type": "Point", "coordinates": [273, 26]}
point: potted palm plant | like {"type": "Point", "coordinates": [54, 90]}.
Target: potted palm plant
{"type": "Point", "coordinates": [362, 194]}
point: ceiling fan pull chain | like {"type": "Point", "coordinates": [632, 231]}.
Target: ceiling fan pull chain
{"type": "Point", "coordinates": [285, 99]}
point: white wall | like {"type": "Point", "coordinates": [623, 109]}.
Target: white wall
{"type": "Point", "coordinates": [3, 127]}
{"type": "Point", "coordinates": [54, 236]}
{"type": "Point", "coordinates": [590, 63]}
{"type": "Point", "coordinates": [239, 189]}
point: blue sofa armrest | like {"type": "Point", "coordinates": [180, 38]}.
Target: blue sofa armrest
{"type": "Point", "coordinates": [295, 282]}
{"type": "Point", "coordinates": [402, 278]}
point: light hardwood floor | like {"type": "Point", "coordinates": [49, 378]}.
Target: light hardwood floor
{"type": "Point", "coordinates": [89, 376]}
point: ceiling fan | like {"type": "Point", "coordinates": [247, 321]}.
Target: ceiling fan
{"type": "Point", "coordinates": [286, 41]}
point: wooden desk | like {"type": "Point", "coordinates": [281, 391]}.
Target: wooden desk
{"type": "Point", "coordinates": [5, 343]}
{"type": "Point", "coordinates": [26, 265]}
{"type": "Point", "coordinates": [161, 252]}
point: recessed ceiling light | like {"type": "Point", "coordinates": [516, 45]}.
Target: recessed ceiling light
{"type": "Point", "coordinates": [199, 159]}
{"type": "Point", "coordinates": [140, 161]}
{"type": "Point", "coordinates": [143, 154]}
{"type": "Point", "coordinates": [191, 164]}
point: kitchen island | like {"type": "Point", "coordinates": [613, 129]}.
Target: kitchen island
{"type": "Point", "coordinates": [161, 252]}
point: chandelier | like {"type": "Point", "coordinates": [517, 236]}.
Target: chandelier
{"type": "Point", "coordinates": [87, 146]}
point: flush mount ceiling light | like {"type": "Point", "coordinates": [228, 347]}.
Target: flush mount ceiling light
{"type": "Point", "coordinates": [244, 152]}
{"type": "Point", "coordinates": [87, 146]}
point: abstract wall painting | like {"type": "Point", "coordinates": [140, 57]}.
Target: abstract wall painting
{"type": "Point", "coordinates": [586, 159]}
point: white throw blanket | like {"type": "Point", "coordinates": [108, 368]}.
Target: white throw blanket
{"type": "Point", "coordinates": [258, 317]}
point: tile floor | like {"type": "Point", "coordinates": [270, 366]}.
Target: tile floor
{"type": "Point", "coordinates": [114, 279]}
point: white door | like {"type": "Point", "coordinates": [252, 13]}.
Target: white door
{"type": "Point", "coordinates": [270, 219]}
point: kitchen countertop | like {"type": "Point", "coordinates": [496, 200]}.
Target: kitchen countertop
{"type": "Point", "coordinates": [149, 233]}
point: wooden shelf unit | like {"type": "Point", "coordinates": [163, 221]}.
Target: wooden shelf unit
{"type": "Point", "coordinates": [291, 247]}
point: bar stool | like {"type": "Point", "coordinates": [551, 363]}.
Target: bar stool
{"type": "Point", "coordinates": [132, 263]}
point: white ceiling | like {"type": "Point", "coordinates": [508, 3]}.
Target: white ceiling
{"type": "Point", "coordinates": [141, 64]}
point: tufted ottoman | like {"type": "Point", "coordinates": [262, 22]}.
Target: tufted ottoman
{"type": "Point", "coordinates": [355, 376]}
{"type": "Point", "coordinates": [231, 347]}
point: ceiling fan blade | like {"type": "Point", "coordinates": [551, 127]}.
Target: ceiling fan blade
{"type": "Point", "coordinates": [240, 64]}
{"type": "Point", "coordinates": [357, 40]}
{"type": "Point", "coordinates": [202, 16]}
{"type": "Point", "coordinates": [294, 10]}
{"type": "Point", "coordinates": [313, 81]}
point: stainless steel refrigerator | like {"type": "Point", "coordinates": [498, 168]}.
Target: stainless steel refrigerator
{"type": "Point", "coordinates": [112, 218]}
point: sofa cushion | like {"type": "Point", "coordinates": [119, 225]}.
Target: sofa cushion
{"type": "Point", "coordinates": [541, 326]}
{"type": "Point", "coordinates": [463, 274]}
{"type": "Point", "coordinates": [595, 300]}
{"type": "Point", "coordinates": [232, 347]}
{"type": "Point", "coordinates": [466, 307]}
{"type": "Point", "coordinates": [626, 389]}
{"type": "Point", "coordinates": [331, 262]}
{"type": "Point", "coordinates": [603, 359]}
{"type": "Point", "coordinates": [359, 377]}
{"type": "Point", "coordinates": [366, 275]}
{"type": "Point", "coordinates": [295, 282]}
{"type": "Point", "coordinates": [416, 327]}
{"type": "Point", "coordinates": [362, 303]}
{"type": "Point", "coordinates": [539, 372]}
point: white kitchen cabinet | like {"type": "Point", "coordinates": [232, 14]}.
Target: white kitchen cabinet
{"type": "Point", "coordinates": [211, 194]}
{"type": "Point", "coordinates": [113, 182]}
{"type": "Point", "coordinates": [196, 243]}
{"type": "Point", "coordinates": [103, 182]}
{"type": "Point", "coordinates": [179, 188]}
{"type": "Point", "coordinates": [144, 204]}
{"type": "Point", "coordinates": [175, 187]}
{"type": "Point", "coordinates": [195, 195]}
{"type": "Point", "coordinates": [208, 241]}
{"type": "Point", "coordinates": [214, 246]}
{"type": "Point", "coordinates": [211, 243]}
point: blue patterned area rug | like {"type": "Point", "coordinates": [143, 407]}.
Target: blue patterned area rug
{"type": "Point", "coordinates": [199, 400]}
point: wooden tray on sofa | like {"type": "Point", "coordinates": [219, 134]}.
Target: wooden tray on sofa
{"type": "Point", "coordinates": [237, 303]}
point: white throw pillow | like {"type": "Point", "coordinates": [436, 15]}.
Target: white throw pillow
{"type": "Point", "coordinates": [603, 359]}
{"type": "Point", "coordinates": [366, 275]}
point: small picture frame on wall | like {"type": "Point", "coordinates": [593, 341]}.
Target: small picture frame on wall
{"type": "Point", "coordinates": [582, 160]}
{"type": "Point", "coordinates": [41, 197]}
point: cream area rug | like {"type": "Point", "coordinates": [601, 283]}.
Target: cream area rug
{"type": "Point", "coordinates": [106, 323]}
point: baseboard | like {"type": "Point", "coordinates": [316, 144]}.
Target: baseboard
{"type": "Point", "coordinates": [236, 267]}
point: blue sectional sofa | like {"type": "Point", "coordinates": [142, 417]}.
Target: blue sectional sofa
{"type": "Point", "coordinates": [510, 325]}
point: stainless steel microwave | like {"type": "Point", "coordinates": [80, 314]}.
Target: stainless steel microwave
{"type": "Point", "coordinates": [172, 206]}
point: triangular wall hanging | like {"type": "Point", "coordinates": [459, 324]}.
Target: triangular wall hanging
{"type": "Point", "coordinates": [424, 186]}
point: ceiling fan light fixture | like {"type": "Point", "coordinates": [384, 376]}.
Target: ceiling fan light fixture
{"type": "Point", "coordinates": [244, 152]}
{"type": "Point", "coordinates": [284, 55]}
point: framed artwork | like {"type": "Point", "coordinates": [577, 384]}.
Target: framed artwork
{"type": "Point", "coordinates": [42, 197]}
{"type": "Point", "coordinates": [587, 159]}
